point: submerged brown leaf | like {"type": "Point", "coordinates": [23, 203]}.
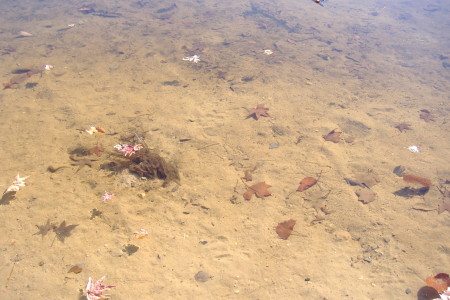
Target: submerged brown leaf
{"type": "Point", "coordinates": [284, 229]}
{"type": "Point", "coordinates": [76, 269]}
{"type": "Point", "coordinates": [306, 183]}
{"type": "Point", "coordinates": [403, 127]}
{"type": "Point", "coordinates": [260, 189]}
{"type": "Point", "coordinates": [333, 136]}
{"type": "Point", "coordinates": [426, 115]}
{"type": "Point", "coordinates": [366, 196]}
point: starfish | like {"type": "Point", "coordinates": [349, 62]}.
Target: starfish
{"type": "Point", "coordinates": [81, 162]}
{"type": "Point", "coordinates": [258, 111]}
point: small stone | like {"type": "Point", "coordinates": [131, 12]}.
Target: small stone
{"type": "Point", "coordinates": [408, 291]}
{"type": "Point", "coordinates": [307, 279]}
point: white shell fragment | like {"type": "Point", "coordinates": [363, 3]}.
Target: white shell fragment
{"type": "Point", "coordinates": [268, 52]}
{"type": "Point", "coordinates": [193, 58]}
{"type": "Point", "coordinates": [413, 149]}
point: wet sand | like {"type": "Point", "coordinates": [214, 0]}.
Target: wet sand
{"type": "Point", "coordinates": [356, 68]}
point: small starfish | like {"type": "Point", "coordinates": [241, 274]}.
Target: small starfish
{"type": "Point", "coordinates": [81, 162]}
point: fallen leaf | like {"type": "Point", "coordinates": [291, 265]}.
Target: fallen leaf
{"type": "Point", "coordinates": [306, 183]}
{"type": "Point", "coordinates": [260, 189]}
{"type": "Point", "coordinates": [366, 196]}
{"type": "Point", "coordinates": [333, 136]}
{"type": "Point", "coordinates": [248, 194]}
{"type": "Point", "coordinates": [284, 229]}
{"type": "Point", "coordinates": [444, 206]}
{"type": "Point", "coordinates": [258, 111]}
{"type": "Point", "coordinates": [403, 127]}
{"type": "Point", "coordinates": [416, 179]}
{"type": "Point", "coordinates": [427, 116]}
{"type": "Point", "coordinates": [76, 269]}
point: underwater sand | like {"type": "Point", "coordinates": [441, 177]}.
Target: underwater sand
{"type": "Point", "coordinates": [356, 67]}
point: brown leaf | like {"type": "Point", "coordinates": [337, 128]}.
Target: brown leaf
{"type": "Point", "coordinates": [258, 111]}
{"type": "Point", "coordinates": [284, 229]}
{"type": "Point", "coordinates": [306, 183]}
{"type": "Point", "coordinates": [76, 269]}
{"type": "Point", "coordinates": [366, 196]}
{"type": "Point", "coordinates": [333, 136]}
{"type": "Point", "coordinates": [403, 127]}
{"type": "Point", "coordinates": [248, 194]}
{"type": "Point", "coordinates": [444, 206]}
{"type": "Point", "coordinates": [427, 116]}
{"type": "Point", "coordinates": [416, 179]}
{"type": "Point", "coordinates": [260, 189]}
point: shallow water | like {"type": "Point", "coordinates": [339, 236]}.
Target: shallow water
{"type": "Point", "coordinates": [356, 67]}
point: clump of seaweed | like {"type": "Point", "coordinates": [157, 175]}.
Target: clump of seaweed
{"type": "Point", "coordinates": [147, 163]}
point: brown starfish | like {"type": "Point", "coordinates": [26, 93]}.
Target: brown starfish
{"type": "Point", "coordinates": [81, 162]}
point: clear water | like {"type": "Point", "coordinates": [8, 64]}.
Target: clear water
{"type": "Point", "coordinates": [357, 67]}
